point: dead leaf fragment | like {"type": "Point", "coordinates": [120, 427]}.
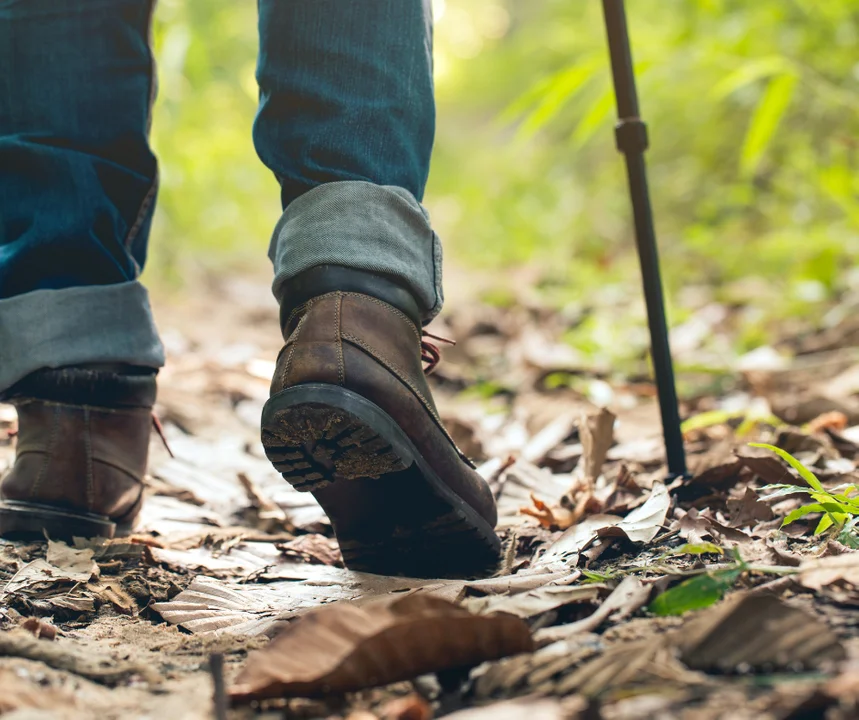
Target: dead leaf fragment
{"type": "Point", "coordinates": [410, 707]}
{"type": "Point", "coordinates": [62, 566]}
{"type": "Point", "coordinates": [344, 648]}
{"type": "Point", "coordinates": [833, 420]}
{"type": "Point", "coordinates": [42, 629]}
{"type": "Point", "coordinates": [626, 598]}
{"type": "Point", "coordinates": [755, 631]}
{"type": "Point", "coordinates": [821, 572]}
{"type": "Point", "coordinates": [313, 548]}
{"type": "Point", "coordinates": [535, 602]}
{"type": "Point", "coordinates": [640, 526]}
{"type": "Point", "coordinates": [548, 517]}
{"type": "Point", "coordinates": [748, 510]}
{"type": "Point", "coordinates": [597, 435]}
{"type": "Point", "coordinates": [644, 523]}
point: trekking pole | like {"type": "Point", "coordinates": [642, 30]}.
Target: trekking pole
{"type": "Point", "coordinates": [631, 137]}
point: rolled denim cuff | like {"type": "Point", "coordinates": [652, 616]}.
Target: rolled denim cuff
{"type": "Point", "coordinates": [73, 326]}
{"type": "Point", "coordinates": [376, 228]}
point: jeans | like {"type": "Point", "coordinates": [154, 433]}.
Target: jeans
{"type": "Point", "coordinates": [345, 122]}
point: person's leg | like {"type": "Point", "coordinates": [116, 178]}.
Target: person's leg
{"type": "Point", "coordinates": [77, 184]}
{"type": "Point", "coordinates": [346, 123]}
{"type": "Point", "coordinates": [78, 347]}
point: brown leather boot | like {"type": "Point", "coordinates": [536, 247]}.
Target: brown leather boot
{"type": "Point", "coordinates": [352, 420]}
{"type": "Point", "coordinates": [83, 439]}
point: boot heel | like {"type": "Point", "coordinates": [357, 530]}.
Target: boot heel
{"type": "Point", "coordinates": [33, 521]}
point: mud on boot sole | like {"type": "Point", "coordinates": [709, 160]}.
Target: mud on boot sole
{"type": "Point", "coordinates": [391, 513]}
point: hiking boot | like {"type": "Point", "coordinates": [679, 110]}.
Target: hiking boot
{"type": "Point", "coordinates": [352, 420]}
{"type": "Point", "coordinates": [83, 440]}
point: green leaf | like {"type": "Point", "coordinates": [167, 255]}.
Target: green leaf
{"type": "Point", "coordinates": [698, 549]}
{"type": "Point", "coordinates": [830, 504]}
{"type": "Point", "coordinates": [748, 73]}
{"type": "Point", "coordinates": [825, 523]}
{"type": "Point", "coordinates": [597, 577]}
{"type": "Point", "coordinates": [803, 471]}
{"type": "Point", "coordinates": [802, 512]}
{"type": "Point", "coordinates": [563, 89]}
{"type": "Point", "coordinates": [709, 419]}
{"type": "Point", "coordinates": [695, 593]}
{"type": "Point", "coordinates": [594, 117]}
{"type": "Point", "coordinates": [765, 121]}
{"type": "Point", "coordinates": [783, 491]}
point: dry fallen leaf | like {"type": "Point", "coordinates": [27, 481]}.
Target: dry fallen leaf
{"type": "Point", "coordinates": [597, 435]}
{"type": "Point", "coordinates": [820, 572]}
{"type": "Point", "coordinates": [343, 647]}
{"type": "Point", "coordinates": [626, 598]}
{"type": "Point", "coordinates": [410, 707]}
{"type": "Point", "coordinates": [535, 602]}
{"type": "Point", "coordinates": [42, 629]}
{"type": "Point", "coordinates": [833, 420]}
{"type": "Point", "coordinates": [749, 631]}
{"type": "Point", "coordinates": [62, 566]}
{"type": "Point", "coordinates": [548, 517]}
{"type": "Point", "coordinates": [640, 526]}
{"type": "Point", "coordinates": [748, 510]}
{"type": "Point", "coordinates": [313, 548]}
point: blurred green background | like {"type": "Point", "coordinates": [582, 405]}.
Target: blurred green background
{"type": "Point", "coordinates": [753, 110]}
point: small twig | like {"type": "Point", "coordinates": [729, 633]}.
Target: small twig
{"type": "Point", "coordinates": [216, 667]}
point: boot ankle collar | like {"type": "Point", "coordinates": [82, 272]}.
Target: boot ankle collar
{"type": "Point", "coordinates": [132, 387]}
{"type": "Point", "coordinates": [324, 279]}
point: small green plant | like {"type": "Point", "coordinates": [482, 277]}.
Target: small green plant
{"type": "Point", "coordinates": [840, 510]}
{"type": "Point", "coordinates": [700, 591]}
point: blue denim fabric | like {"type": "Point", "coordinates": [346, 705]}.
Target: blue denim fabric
{"type": "Point", "coordinates": [346, 123]}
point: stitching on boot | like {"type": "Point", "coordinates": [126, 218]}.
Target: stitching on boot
{"type": "Point", "coordinates": [338, 331]}
{"type": "Point", "coordinates": [304, 307]}
{"type": "Point", "coordinates": [294, 337]}
{"type": "Point", "coordinates": [55, 424]}
{"type": "Point", "coordinates": [389, 308]}
{"type": "Point", "coordinates": [392, 367]}
{"type": "Point", "coordinates": [90, 480]}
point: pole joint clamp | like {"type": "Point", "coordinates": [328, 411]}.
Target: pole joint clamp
{"type": "Point", "coordinates": [631, 135]}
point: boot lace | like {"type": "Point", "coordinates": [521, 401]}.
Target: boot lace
{"type": "Point", "coordinates": [430, 352]}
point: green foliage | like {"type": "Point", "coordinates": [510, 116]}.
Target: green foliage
{"type": "Point", "coordinates": [840, 510]}
{"type": "Point", "coordinates": [700, 591]}
{"type": "Point", "coordinates": [752, 111]}
{"type": "Point", "coordinates": [710, 418]}
{"type": "Point", "coordinates": [702, 548]}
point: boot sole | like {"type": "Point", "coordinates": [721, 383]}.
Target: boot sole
{"type": "Point", "coordinates": [391, 513]}
{"type": "Point", "coordinates": [21, 520]}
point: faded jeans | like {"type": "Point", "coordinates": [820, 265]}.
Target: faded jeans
{"type": "Point", "coordinates": [345, 122]}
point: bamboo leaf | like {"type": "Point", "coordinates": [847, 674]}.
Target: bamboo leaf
{"type": "Point", "coordinates": [825, 523]}
{"type": "Point", "coordinates": [803, 471]}
{"type": "Point", "coordinates": [593, 118]}
{"type": "Point", "coordinates": [563, 89]}
{"type": "Point", "coordinates": [749, 73]}
{"type": "Point", "coordinates": [801, 512]}
{"type": "Point", "coordinates": [765, 120]}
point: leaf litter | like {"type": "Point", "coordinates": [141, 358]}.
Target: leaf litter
{"type": "Point", "coordinates": [639, 593]}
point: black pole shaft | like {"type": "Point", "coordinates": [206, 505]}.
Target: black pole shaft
{"type": "Point", "coordinates": [631, 135]}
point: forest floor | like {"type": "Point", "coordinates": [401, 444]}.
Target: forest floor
{"type": "Point", "coordinates": [621, 593]}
